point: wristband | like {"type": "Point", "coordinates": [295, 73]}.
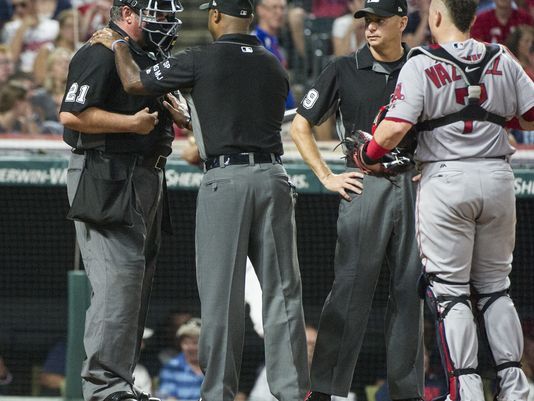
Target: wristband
{"type": "Point", "coordinates": [115, 42]}
{"type": "Point", "coordinates": [374, 151]}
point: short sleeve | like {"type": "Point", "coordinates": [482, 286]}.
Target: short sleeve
{"type": "Point", "coordinates": [321, 98]}
{"type": "Point", "coordinates": [176, 72]}
{"type": "Point", "coordinates": [408, 96]}
{"type": "Point", "coordinates": [88, 82]}
{"type": "Point", "coordinates": [524, 85]}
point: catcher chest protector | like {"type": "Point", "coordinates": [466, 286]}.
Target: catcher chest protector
{"type": "Point", "coordinates": [472, 75]}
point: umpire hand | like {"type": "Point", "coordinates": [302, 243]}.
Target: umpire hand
{"type": "Point", "coordinates": [106, 37]}
{"type": "Point", "coordinates": [179, 113]}
{"type": "Point", "coordinates": [144, 121]}
{"type": "Point", "coordinates": [343, 183]}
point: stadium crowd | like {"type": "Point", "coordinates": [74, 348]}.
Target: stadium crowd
{"type": "Point", "coordinates": [38, 38]}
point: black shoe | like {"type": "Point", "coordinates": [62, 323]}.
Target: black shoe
{"type": "Point", "coordinates": [128, 396]}
{"type": "Point", "coordinates": [317, 396]}
{"type": "Point", "coordinates": [146, 397]}
{"type": "Point", "coordinates": [121, 396]}
{"type": "Point", "coordinates": [411, 399]}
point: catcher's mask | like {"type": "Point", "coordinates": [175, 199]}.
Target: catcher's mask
{"type": "Point", "coordinates": [159, 22]}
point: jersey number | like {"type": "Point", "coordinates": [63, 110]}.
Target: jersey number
{"type": "Point", "coordinates": [462, 93]}
{"type": "Point", "coordinates": [73, 95]}
{"type": "Point", "coordinates": [461, 96]}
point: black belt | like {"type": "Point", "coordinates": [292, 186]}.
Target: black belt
{"type": "Point", "coordinates": [241, 158]}
{"type": "Point", "coordinates": [148, 161]}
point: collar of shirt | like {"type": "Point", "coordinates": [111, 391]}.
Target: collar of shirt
{"type": "Point", "coordinates": [365, 60]}
{"type": "Point", "coordinates": [250, 40]}
{"type": "Point", "coordinates": [133, 44]}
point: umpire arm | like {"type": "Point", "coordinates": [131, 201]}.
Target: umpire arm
{"type": "Point", "coordinates": [97, 121]}
{"type": "Point", "coordinates": [127, 68]}
{"type": "Point", "coordinates": [301, 133]}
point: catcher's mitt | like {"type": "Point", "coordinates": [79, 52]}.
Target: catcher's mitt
{"type": "Point", "coordinates": [393, 163]}
{"type": "Point", "coordinates": [398, 160]}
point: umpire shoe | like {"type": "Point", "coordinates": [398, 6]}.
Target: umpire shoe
{"type": "Point", "coordinates": [412, 399]}
{"type": "Point", "coordinates": [128, 396]}
{"type": "Point", "coordinates": [317, 396]}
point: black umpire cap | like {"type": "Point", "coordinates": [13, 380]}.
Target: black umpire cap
{"type": "Point", "coordinates": [235, 8]}
{"type": "Point", "coordinates": [383, 8]}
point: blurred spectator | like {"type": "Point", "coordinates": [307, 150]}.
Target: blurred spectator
{"type": "Point", "coordinates": [6, 64]}
{"type": "Point", "coordinates": [5, 12]}
{"type": "Point", "coordinates": [52, 8]}
{"type": "Point", "coordinates": [495, 25]}
{"type": "Point", "coordinates": [47, 99]}
{"type": "Point", "coordinates": [5, 377]}
{"type": "Point", "coordinates": [417, 32]}
{"type": "Point", "coordinates": [435, 385]}
{"type": "Point", "coordinates": [521, 44]}
{"type": "Point", "coordinates": [261, 392]}
{"type": "Point", "coordinates": [52, 377]}
{"type": "Point", "coordinates": [271, 16]}
{"type": "Point", "coordinates": [16, 113]}
{"type": "Point", "coordinates": [95, 15]}
{"type": "Point", "coordinates": [27, 33]}
{"type": "Point", "coordinates": [164, 345]}
{"type": "Point", "coordinates": [348, 33]}
{"type": "Point", "coordinates": [181, 378]}
{"type": "Point", "coordinates": [328, 9]}
{"type": "Point", "coordinates": [142, 379]}
{"type": "Point", "coordinates": [66, 39]}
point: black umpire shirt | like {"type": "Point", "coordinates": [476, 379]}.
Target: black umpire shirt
{"type": "Point", "coordinates": [354, 86]}
{"type": "Point", "coordinates": [237, 93]}
{"type": "Point", "coordinates": [93, 82]}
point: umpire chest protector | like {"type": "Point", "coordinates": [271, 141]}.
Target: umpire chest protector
{"type": "Point", "coordinates": [472, 74]}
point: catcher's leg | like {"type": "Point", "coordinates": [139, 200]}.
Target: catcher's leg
{"type": "Point", "coordinates": [456, 338]}
{"type": "Point", "coordinates": [492, 264]}
{"type": "Point", "coordinates": [502, 330]}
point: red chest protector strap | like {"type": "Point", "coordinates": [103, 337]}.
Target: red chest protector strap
{"type": "Point", "coordinates": [472, 75]}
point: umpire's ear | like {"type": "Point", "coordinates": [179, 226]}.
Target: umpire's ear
{"type": "Point", "coordinates": [403, 23]}
{"type": "Point", "coordinates": [216, 15]}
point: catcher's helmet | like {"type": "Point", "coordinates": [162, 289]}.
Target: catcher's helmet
{"type": "Point", "coordinates": [159, 20]}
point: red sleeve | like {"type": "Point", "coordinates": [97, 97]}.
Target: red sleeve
{"type": "Point", "coordinates": [514, 122]}
{"type": "Point", "coordinates": [529, 115]}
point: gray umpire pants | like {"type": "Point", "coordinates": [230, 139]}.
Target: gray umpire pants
{"type": "Point", "coordinates": [120, 263]}
{"type": "Point", "coordinates": [249, 210]}
{"type": "Point", "coordinates": [377, 226]}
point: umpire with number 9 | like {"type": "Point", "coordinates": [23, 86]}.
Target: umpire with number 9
{"type": "Point", "coordinates": [245, 203]}
{"type": "Point", "coordinates": [115, 185]}
{"type": "Point", "coordinates": [376, 226]}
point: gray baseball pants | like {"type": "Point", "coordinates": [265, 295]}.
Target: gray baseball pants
{"type": "Point", "coordinates": [376, 227]}
{"type": "Point", "coordinates": [120, 263]}
{"type": "Point", "coordinates": [249, 210]}
{"type": "Point", "coordinates": [466, 225]}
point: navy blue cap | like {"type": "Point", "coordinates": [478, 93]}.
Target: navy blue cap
{"type": "Point", "coordinates": [383, 8]}
{"type": "Point", "coordinates": [235, 8]}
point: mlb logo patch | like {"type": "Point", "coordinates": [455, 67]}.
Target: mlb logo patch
{"type": "Point", "coordinates": [246, 49]}
{"type": "Point", "coordinates": [243, 12]}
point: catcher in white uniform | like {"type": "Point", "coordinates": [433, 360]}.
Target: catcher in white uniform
{"type": "Point", "coordinates": [459, 95]}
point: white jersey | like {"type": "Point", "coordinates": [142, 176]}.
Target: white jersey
{"type": "Point", "coordinates": [428, 89]}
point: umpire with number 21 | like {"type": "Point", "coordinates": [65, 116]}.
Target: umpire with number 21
{"type": "Point", "coordinates": [245, 203]}
{"type": "Point", "coordinates": [115, 185]}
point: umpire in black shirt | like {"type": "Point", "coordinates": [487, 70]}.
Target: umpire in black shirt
{"type": "Point", "coordinates": [115, 185]}
{"type": "Point", "coordinates": [245, 203]}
